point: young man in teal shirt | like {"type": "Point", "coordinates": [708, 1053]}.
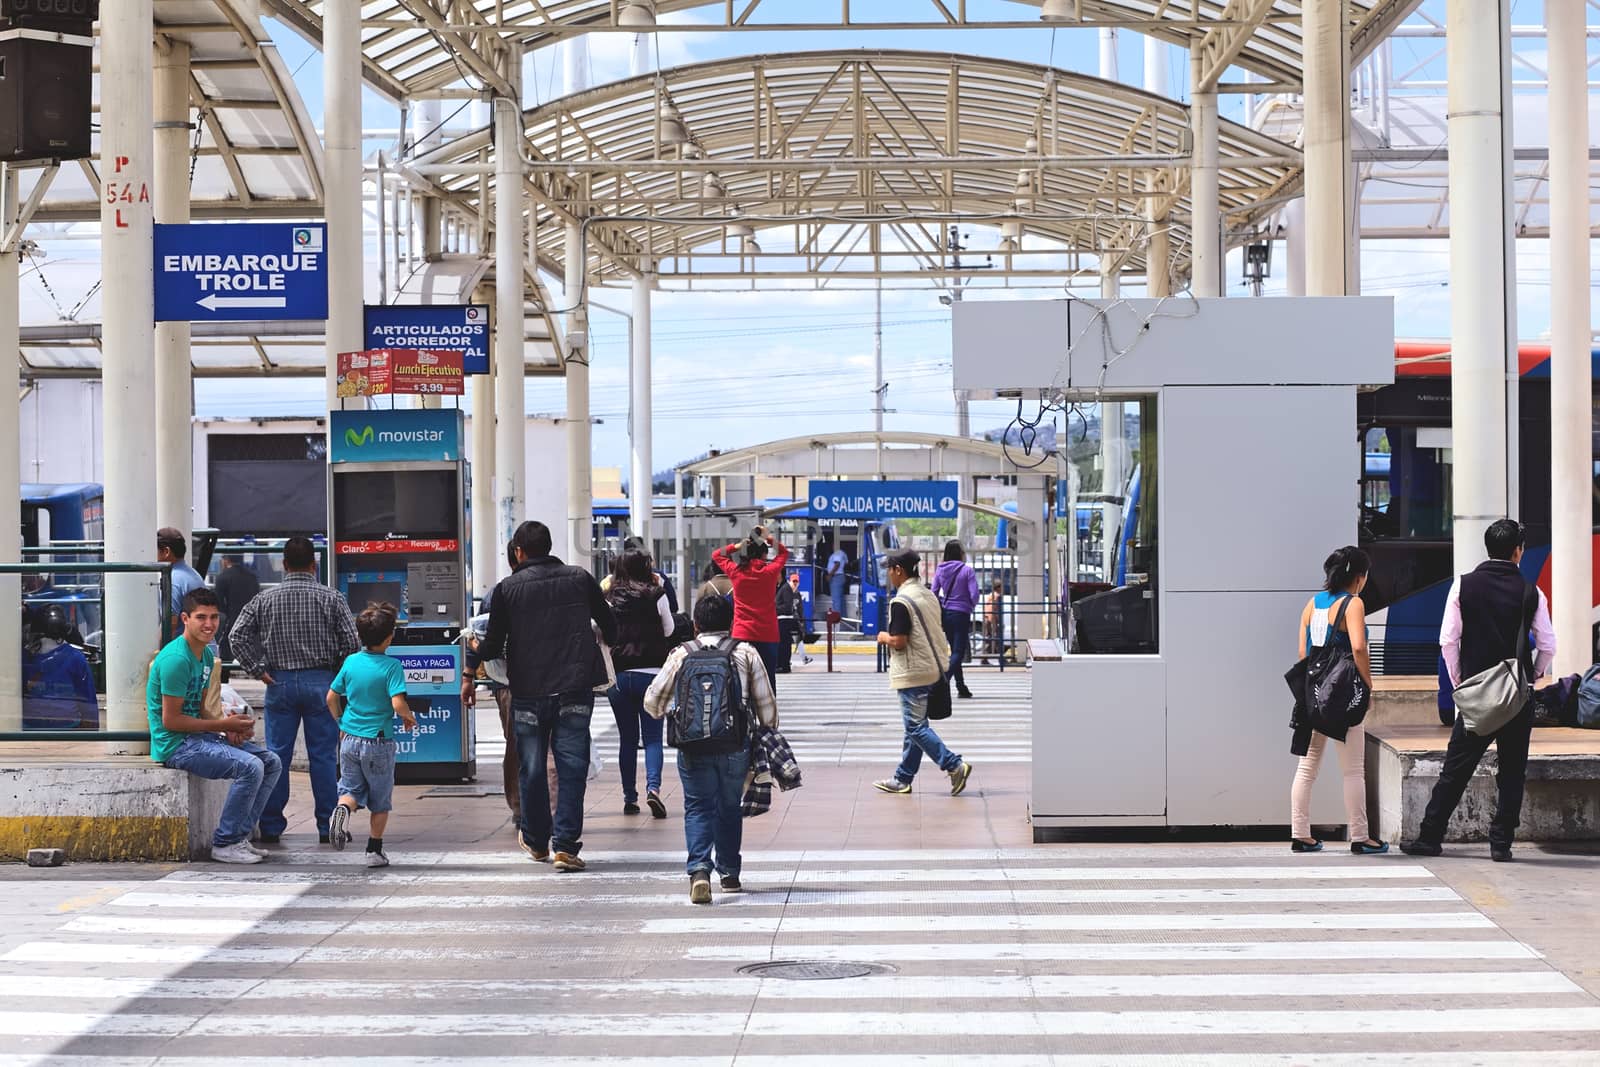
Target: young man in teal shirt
{"type": "Point", "coordinates": [208, 748]}
{"type": "Point", "coordinates": [373, 686]}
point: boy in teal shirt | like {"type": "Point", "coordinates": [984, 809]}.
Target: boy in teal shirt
{"type": "Point", "coordinates": [208, 748]}
{"type": "Point", "coordinates": [373, 687]}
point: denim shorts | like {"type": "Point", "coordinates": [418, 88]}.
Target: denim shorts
{"type": "Point", "coordinates": [366, 771]}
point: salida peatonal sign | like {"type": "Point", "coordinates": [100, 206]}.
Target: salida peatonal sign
{"type": "Point", "coordinates": [381, 371]}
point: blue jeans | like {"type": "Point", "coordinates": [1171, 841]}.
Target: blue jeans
{"type": "Point", "coordinates": [253, 770]}
{"type": "Point", "coordinates": [958, 631]}
{"type": "Point", "coordinates": [366, 772]}
{"type": "Point", "coordinates": [292, 698]}
{"type": "Point", "coordinates": [920, 737]}
{"type": "Point", "coordinates": [560, 723]}
{"type": "Point", "coordinates": [768, 651]}
{"type": "Point", "coordinates": [633, 722]}
{"type": "Point", "coordinates": [836, 593]}
{"type": "Point", "coordinates": [713, 793]}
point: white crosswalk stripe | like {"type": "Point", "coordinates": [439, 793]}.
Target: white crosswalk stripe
{"type": "Point", "coordinates": [854, 718]}
{"type": "Point", "coordinates": [1100, 954]}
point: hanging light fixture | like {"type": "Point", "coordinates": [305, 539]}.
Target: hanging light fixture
{"type": "Point", "coordinates": [637, 14]}
{"type": "Point", "coordinates": [711, 186]}
{"type": "Point", "coordinates": [673, 131]}
{"type": "Point", "coordinates": [1058, 11]}
{"type": "Point", "coordinates": [751, 248]}
{"type": "Point", "coordinates": [738, 227]}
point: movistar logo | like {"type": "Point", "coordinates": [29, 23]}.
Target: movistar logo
{"type": "Point", "coordinates": [356, 440]}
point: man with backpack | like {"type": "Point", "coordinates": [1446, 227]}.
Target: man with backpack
{"type": "Point", "coordinates": [1486, 620]}
{"type": "Point", "coordinates": [709, 691]}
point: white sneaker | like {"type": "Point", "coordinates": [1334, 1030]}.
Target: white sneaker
{"type": "Point", "coordinates": [377, 859]}
{"type": "Point", "coordinates": [257, 849]}
{"type": "Point", "coordinates": [238, 852]}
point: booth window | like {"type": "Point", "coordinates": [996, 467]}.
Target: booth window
{"type": "Point", "coordinates": [1107, 515]}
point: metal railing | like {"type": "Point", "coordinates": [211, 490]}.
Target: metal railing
{"type": "Point", "coordinates": [54, 680]}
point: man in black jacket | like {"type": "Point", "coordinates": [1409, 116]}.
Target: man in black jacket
{"type": "Point", "coordinates": [1485, 616]}
{"type": "Point", "coordinates": [539, 620]}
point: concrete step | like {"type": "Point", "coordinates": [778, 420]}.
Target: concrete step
{"type": "Point", "coordinates": [1403, 700]}
{"type": "Point", "coordinates": [1562, 802]}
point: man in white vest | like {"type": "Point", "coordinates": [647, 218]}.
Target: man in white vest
{"type": "Point", "coordinates": [917, 654]}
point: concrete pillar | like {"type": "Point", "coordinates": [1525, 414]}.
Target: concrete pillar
{"type": "Point", "coordinates": [488, 557]}
{"type": "Point", "coordinates": [1206, 226]}
{"type": "Point", "coordinates": [341, 141]}
{"type": "Point", "coordinates": [1033, 545]}
{"type": "Point", "coordinates": [1155, 66]}
{"type": "Point", "coordinates": [10, 470]}
{"type": "Point", "coordinates": [510, 331]}
{"type": "Point", "coordinates": [1571, 443]}
{"type": "Point", "coordinates": [429, 115]}
{"type": "Point", "coordinates": [174, 373]}
{"type": "Point", "coordinates": [580, 464]}
{"type": "Point", "coordinates": [639, 392]}
{"type": "Point", "coordinates": [128, 351]}
{"type": "Point", "coordinates": [1328, 203]}
{"type": "Point", "coordinates": [1294, 246]}
{"type": "Point", "coordinates": [1482, 328]}
{"type": "Point", "coordinates": [1108, 53]}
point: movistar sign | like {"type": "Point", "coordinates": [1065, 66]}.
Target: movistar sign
{"type": "Point", "coordinates": [426, 435]}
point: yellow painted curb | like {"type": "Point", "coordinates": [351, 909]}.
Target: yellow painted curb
{"type": "Point", "coordinates": [111, 838]}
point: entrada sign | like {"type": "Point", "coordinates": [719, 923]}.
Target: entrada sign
{"type": "Point", "coordinates": [883, 500]}
{"type": "Point", "coordinates": [212, 273]}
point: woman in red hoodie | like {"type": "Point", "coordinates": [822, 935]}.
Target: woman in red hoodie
{"type": "Point", "coordinates": [755, 581]}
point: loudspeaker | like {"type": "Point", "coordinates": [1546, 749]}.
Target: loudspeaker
{"type": "Point", "coordinates": [61, 16]}
{"type": "Point", "coordinates": [45, 89]}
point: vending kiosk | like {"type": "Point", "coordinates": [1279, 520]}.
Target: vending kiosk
{"type": "Point", "coordinates": [399, 527]}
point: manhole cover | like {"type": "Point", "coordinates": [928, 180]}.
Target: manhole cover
{"type": "Point", "coordinates": [814, 970]}
{"type": "Point", "coordinates": [475, 789]}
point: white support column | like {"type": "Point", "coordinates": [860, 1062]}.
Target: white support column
{"type": "Point", "coordinates": [580, 463]}
{"type": "Point", "coordinates": [1206, 226]}
{"type": "Point", "coordinates": [1294, 246]}
{"type": "Point", "coordinates": [128, 352]}
{"type": "Point", "coordinates": [1158, 250]}
{"type": "Point", "coordinates": [488, 554]}
{"type": "Point", "coordinates": [640, 497]}
{"type": "Point", "coordinates": [1328, 203]}
{"type": "Point", "coordinates": [680, 548]}
{"type": "Point", "coordinates": [1481, 325]}
{"type": "Point", "coordinates": [10, 470]}
{"type": "Point", "coordinates": [1571, 441]}
{"type": "Point", "coordinates": [341, 140]}
{"type": "Point", "coordinates": [174, 372]}
{"type": "Point", "coordinates": [1155, 65]}
{"type": "Point", "coordinates": [1108, 53]}
{"type": "Point", "coordinates": [1033, 548]}
{"type": "Point", "coordinates": [510, 331]}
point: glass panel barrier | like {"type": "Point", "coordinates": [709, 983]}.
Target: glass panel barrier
{"type": "Point", "coordinates": [53, 675]}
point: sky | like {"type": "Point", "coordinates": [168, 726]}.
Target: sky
{"type": "Point", "coordinates": [733, 369]}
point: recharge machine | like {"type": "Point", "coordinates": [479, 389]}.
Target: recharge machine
{"type": "Point", "coordinates": [399, 528]}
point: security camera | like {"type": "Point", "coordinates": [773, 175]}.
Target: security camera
{"type": "Point", "coordinates": [944, 298]}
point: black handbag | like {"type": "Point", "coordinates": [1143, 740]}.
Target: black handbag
{"type": "Point", "coordinates": [1328, 685]}
{"type": "Point", "coordinates": [939, 703]}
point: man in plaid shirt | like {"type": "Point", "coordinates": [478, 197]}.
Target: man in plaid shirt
{"type": "Point", "coordinates": [293, 638]}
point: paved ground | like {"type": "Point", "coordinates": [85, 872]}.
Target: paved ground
{"type": "Point", "coordinates": [465, 952]}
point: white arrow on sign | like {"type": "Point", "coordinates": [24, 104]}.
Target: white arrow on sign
{"type": "Point", "coordinates": [213, 302]}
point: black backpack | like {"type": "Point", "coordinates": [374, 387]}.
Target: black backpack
{"type": "Point", "coordinates": [708, 714]}
{"type": "Point", "coordinates": [1329, 691]}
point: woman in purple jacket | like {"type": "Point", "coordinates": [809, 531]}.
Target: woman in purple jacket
{"type": "Point", "coordinates": [956, 586]}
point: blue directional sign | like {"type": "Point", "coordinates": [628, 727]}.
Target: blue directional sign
{"type": "Point", "coordinates": [452, 327]}
{"type": "Point", "coordinates": [208, 272]}
{"type": "Point", "coordinates": [884, 500]}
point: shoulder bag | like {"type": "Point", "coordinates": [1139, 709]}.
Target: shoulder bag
{"type": "Point", "coordinates": [1336, 696]}
{"type": "Point", "coordinates": [1490, 699]}
{"type": "Point", "coordinates": [939, 702]}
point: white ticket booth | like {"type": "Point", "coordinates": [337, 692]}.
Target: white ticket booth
{"type": "Point", "coordinates": [1235, 422]}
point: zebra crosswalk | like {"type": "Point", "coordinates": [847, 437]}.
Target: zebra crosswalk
{"type": "Point", "coordinates": [854, 718]}
{"type": "Point", "coordinates": [1119, 955]}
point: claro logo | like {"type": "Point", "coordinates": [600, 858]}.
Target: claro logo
{"type": "Point", "coordinates": [356, 440]}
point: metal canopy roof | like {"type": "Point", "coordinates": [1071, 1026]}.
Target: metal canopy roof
{"type": "Point", "coordinates": [414, 47]}
{"type": "Point", "coordinates": [256, 149]}
{"type": "Point", "coordinates": [891, 139]}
